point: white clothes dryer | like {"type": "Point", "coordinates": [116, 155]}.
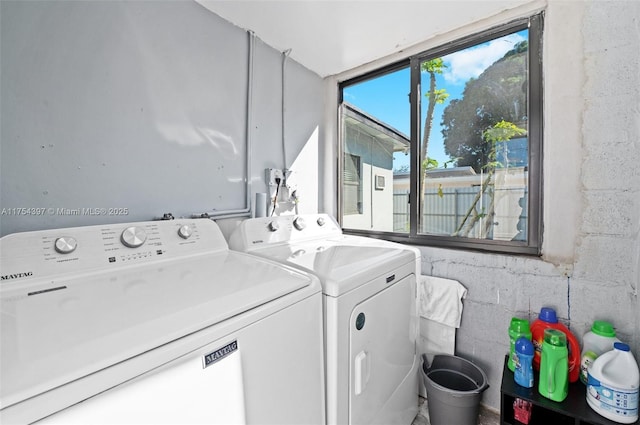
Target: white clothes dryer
{"type": "Point", "coordinates": [155, 322]}
{"type": "Point", "coordinates": [370, 314]}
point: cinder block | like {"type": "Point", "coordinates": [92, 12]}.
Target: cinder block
{"type": "Point", "coordinates": [598, 18]}
{"type": "Point", "coordinates": [619, 64]}
{"type": "Point", "coordinates": [607, 259]}
{"type": "Point", "coordinates": [610, 172]}
{"type": "Point", "coordinates": [611, 213]}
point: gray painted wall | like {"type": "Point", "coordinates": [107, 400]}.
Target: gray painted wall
{"type": "Point", "coordinates": [141, 107]}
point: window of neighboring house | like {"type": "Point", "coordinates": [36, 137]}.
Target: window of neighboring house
{"type": "Point", "coordinates": [352, 184]}
{"type": "Point", "coordinates": [455, 136]}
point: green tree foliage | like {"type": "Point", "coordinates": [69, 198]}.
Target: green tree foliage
{"type": "Point", "coordinates": [498, 94]}
{"type": "Point", "coordinates": [502, 131]}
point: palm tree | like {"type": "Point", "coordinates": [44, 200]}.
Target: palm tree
{"type": "Point", "coordinates": [435, 96]}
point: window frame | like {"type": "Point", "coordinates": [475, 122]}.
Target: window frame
{"type": "Point", "coordinates": [533, 243]}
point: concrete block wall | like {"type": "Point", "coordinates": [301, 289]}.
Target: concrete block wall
{"type": "Point", "coordinates": [590, 267]}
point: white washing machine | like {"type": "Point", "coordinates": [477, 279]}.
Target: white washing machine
{"type": "Point", "coordinates": [155, 322]}
{"type": "Point", "coordinates": [371, 322]}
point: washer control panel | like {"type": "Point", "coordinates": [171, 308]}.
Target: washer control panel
{"type": "Point", "coordinates": [27, 255]}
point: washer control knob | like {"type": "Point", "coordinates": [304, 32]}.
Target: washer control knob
{"type": "Point", "coordinates": [66, 245]}
{"type": "Point", "coordinates": [133, 236]}
{"type": "Point", "coordinates": [185, 231]}
{"type": "Point", "coordinates": [274, 226]}
{"type": "Point", "coordinates": [299, 223]}
{"type": "Point", "coordinates": [320, 221]}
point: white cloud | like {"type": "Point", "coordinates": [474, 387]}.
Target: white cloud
{"type": "Point", "coordinates": [349, 95]}
{"type": "Point", "coordinates": [470, 63]}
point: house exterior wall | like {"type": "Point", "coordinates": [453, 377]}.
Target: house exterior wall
{"type": "Point", "coordinates": [376, 160]}
{"type": "Point", "coordinates": [589, 268]}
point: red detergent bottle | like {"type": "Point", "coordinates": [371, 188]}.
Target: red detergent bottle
{"type": "Point", "coordinates": [547, 319]}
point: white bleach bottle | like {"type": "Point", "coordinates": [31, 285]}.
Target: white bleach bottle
{"type": "Point", "coordinates": [613, 385]}
{"type": "Point", "coordinates": [598, 340]}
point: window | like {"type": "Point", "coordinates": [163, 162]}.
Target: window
{"type": "Point", "coordinates": [352, 184]}
{"type": "Point", "coordinates": [455, 134]}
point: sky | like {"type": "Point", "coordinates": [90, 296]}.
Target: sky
{"type": "Point", "coordinates": [387, 97]}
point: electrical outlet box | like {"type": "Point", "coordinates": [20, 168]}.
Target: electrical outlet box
{"type": "Point", "coordinates": [271, 174]}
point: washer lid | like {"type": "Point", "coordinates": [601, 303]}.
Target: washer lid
{"type": "Point", "coordinates": [55, 331]}
{"type": "Point", "coordinates": [340, 267]}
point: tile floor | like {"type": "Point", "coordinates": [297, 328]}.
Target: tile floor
{"type": "Point", "coordinates": [485, 417]}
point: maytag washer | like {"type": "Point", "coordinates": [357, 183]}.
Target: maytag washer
{"type": "Point", "coordinates": [371, 324]}
{"type": "Point", "coordinates": [155, 322]}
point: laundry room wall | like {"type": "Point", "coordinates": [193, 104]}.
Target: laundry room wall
{"type": "Point", "coordinates": [123, 111]}
{"type": "Point", "coordinates": [98, 111]}
{"type": "Point", "coordinates": [590, 263]}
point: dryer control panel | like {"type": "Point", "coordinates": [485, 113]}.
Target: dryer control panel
{"type": "Point", "coordinates": [27, 256]}
{"type": "Point", "coordinates": [257, 233]}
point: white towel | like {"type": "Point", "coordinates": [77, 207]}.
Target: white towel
{"type": "Point", "coordinates": [441, 300]}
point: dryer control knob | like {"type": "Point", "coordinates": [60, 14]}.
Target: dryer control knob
{"type": "Point", "coordinates": [299, 223]}
{"type": "Point", "coordinates": [274, 226]}
{"type": "Point", "coordinates": [133, 237]}
{"type": "Point", "coordinates": [185, 231]}
{"type": "Point", "coordinates": [66, 245]}
{"type": "Point", "coordinates": [320, 221]}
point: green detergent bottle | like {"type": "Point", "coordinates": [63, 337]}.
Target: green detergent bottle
{"type": "Point", "coordinates": [518, 328]}
{"type": "Point", "coordinates": [554, 366]}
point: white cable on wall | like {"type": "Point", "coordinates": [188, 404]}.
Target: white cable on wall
{"type": "Point", "coordinates": [252, 42]}
{"type": "Point", "coordinates": [285, 55]}
{"type": "Point", "coordinates": [249, 115]}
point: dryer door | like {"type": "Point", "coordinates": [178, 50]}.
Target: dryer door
{"type": "Point", "coordinates": [382, 354]}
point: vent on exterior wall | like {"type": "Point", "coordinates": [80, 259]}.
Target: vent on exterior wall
{"type": "Point", "coordinates": [379, 182]}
